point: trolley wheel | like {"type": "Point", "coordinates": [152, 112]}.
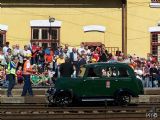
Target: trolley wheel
{"type": "Point", "coordinates": [123, 99]}
{"type": "Point", "coordinates": [63, 100]}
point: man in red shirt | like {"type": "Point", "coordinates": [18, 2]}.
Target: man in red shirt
{"type": "Point", "coordinates": [35, 49]}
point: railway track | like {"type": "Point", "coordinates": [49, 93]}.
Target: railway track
{"type": "Point", "coordinates": [44, 112]}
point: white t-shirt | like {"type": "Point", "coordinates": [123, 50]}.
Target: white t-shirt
{"type": "Point", "coordinates": [3, 60]}
{"type": "Point", "coordinates": [16, 51]}
{"type": "Point", "coordinates": [27, 53]}
{"type": "Point", "coordinates": [5, 49]}
{"type": "Point", "coordinates": [87, 52]}
{"type": "Point", "coordinates": [28, 65]}
{"type": "Point", "coordinates": [75, 57]}
{"type": "Point", "coordinates": [80, 50]}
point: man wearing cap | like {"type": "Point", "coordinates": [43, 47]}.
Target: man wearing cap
{"type": "Point", "coordinates": [11, 75]}
{"type": "Point", "coordinates": [27, 69]}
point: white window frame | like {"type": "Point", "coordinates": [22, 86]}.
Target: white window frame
{"type": "Point", "coordinates": [155, 4]}
{"type": "Point", "coordinates": [38, 34]}
{"type": "Point", "coordinates": [47, 33]}
{"type": "Point", "coordinates": [57, 33]}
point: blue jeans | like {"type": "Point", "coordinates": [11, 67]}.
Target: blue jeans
{"type": "Point", "coordinates": [153, 79]}
{"type": "Point", "coordinates": [147, 82]}
{"type": "Point", "coordinates": [27, 86]}
{"type": "Point", "coordinates": [33, 60]}
{"type": "Point", "coordinates": [11, 79]}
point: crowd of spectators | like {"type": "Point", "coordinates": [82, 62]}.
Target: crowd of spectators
{"type": "Point", "coordinates": [49, 63]}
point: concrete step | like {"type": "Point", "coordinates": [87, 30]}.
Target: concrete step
{"type": "Point", "coordinates": [152, 91]}
{"type": "Point", "coordinates": [146, 99]}
{"type": "Point", "coordinates": [42, 99]}
{"type": "Point", "coordinates": [152, 95]}
{"type": "Point", "coordinates": [42, 91]}
{"type": "Point", "coordinates": [15, 99]}
{"type": "Point", "coordinates": [36, 91]}
{"type": "Point", "coordinates": [19, 99]}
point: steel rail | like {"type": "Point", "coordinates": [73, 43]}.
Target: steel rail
{"type": "Point", "coordinates": [89, 116]}
{"type": "Point", "coordinates": [42, 111]}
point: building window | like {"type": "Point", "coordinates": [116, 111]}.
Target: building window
{"type": "Point", "coordinates": [155, 45]}
{"type": "Point", "coordinates": [154, 38]}
{"type": "Point", "coordinates": [2, 38]}
{"type": "Point", "coordinates": [46, 36]}
{"type": "Point", "coordinates": [154, 50]}
{"type": "Point", "coordinates": [35, 34]}
{"type": "Point", "coordinates": [155, 1]}
{"type": "Point", "coordinates": [54, 34]}
{"type": "Point", "coordinates": [155, 4]}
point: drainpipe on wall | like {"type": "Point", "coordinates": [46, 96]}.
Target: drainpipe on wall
{"type": "Point", "coordinates": [124, 27]}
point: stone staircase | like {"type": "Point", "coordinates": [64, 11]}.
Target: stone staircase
{"type": "Point", "coordinates": [151, 95]}
{"type": "Point", "coordinates": [39, 96]}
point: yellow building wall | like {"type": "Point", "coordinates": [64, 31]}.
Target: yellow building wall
{"type": "Point", "coordinates": [73, 19]}
{"type": "Point", "coordinates": [140, 18]}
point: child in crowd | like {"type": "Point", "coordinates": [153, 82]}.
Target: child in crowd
{"type": "Point", "coordinates": [48, 75]}
{"type": "Point", "coordinates": [51, 76]}
{"type": "Point", "coordinates": [2, 75]}
{"type": "Point", "coordinates": [19, 75]}
{"type": "Point", "coordinates": [40, 77]}
{"type": "Point", "coordinates": [35, 79]}
{"type": "Point", "coordinates": [45, 78]}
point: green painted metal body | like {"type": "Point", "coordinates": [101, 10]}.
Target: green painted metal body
{"type": "Point", "coordinates": [101, 86]}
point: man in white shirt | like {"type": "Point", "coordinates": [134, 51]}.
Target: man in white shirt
{"type": "Point", "coordinates": [73, 56]}
{"type": "Point", "coordinates": [65, 54]}
{"type": "Point", "coordinates": [16, 51]}
{"type": "Point", "coordinates": [81, 48]}
{"type": "Point", "coordinates": [5, 48]}
{"type": "Point", "coordinates": [26, 51]}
